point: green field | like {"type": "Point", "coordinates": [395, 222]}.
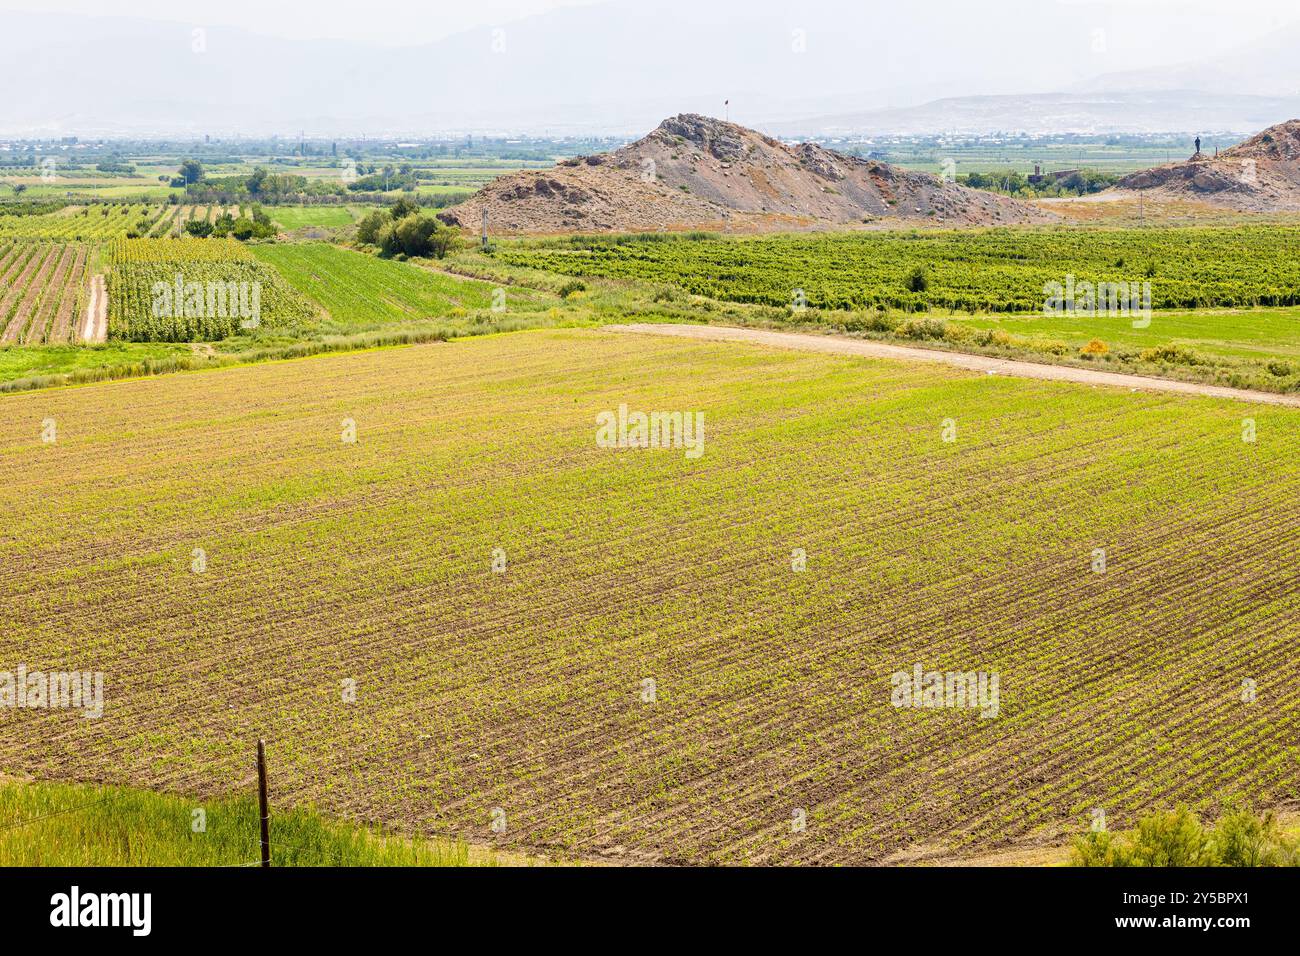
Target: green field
{"type": "Point", "coordinates": [69, 825]}
{"type": "Point", "coordinates": [363, 291]}
{"type": "Point", "coordinates": [1260, 334]}
{"type": "Point", "coordinates": [23, 362]}
{"type": "Point", "coordinates": [328, 560]}
{"type": "Point", "coordinates": [295, 217]}
{"type": "Point", "coordinates": [1022, 157]}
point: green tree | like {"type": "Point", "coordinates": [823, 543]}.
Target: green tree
{"type": "Point", "coordinates": [368, 228]}
{"type": "Point", "coordinates": [403, 208]}
{"type": "Point", "coordinates": [191, 171]}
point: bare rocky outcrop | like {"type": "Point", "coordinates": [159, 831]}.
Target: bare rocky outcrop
{"type": "Point", "coordinates": [1259, 175]}
{"type": "Point", "coordinates": [696, 172]}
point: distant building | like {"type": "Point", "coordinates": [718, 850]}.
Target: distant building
{"type": "Point", "coordinates": [1038, 178]}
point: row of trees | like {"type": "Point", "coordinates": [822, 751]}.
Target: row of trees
{"type": "Point", "coordinates": [257, 225]}
{"type": "Point", "coordinates": [1084, 182]}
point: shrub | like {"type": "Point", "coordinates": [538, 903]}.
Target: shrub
{"type": "Point", "coordinates": [957, 333]}
{"type": "Point", "coordinates": [924, 328]}
{"type": "Point", "coordinates": [1099, 849]}
{"type": "Point", "coordinates": [993, 337]}
{"type": "Point", "coordinates": [917, 280]}
{"type": "Point", "coordinates": [572, 286]}
{"type": "Point", "coordinates": [368, 228]}
{"type": "Point", "coordinates": [1095, 347]}
{"type": "Point", "coordinates": [1177, 838]}
{"type": "Point", "coordinates": [1171, 839]}
{"type": "Point", "coordinates": [1243, 839]}
{"type": "Point", "coordinates": [1175, 354]}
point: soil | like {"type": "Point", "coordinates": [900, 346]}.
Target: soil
{"type": "Point", "coordinates": [695, 172]}
{"type": "Point", "coordinates": [95, 328]}
{"type": "Point", "coordinates": [1260, 175]}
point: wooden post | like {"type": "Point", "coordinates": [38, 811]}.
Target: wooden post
{"type": "Point", "coordinates": [261, 797]}
{"type": "Point", "coordinates": [485, 244]}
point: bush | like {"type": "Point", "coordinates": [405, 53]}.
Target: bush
{"type": "Point", "coordinates": [917, 280]}
{"type": "Point", "coordinates": [368, 228]}
{"type": "Point", "coordinates": [572, 286]}
{"type": "Point", "coordinates": [1177, 838]}
{"type": "Point", "coordinates": [997, 337]}
{"type": "Point", "coordinates": [1175, 354]}
{"type": "Point", "coordinates": [1094, 347]}
{"type": "Point", "coordinates": [924, 328]}
{"type": "Point", "coordinates": [880, 321]}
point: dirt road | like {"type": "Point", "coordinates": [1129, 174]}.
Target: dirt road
{"type": "Point", "coordinates": [95, 326]}
{"type": "Point", "coordinates": [839, 345]}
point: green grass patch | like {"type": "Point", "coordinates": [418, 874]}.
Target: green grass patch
{"type": "Point", "coordinates": [18, 362]}
{"type": "Point", "coordinates": [363, 291]}
{"type": "Point", "coordinates": [1229, 333]}
{"type": "Point", "coordinates": [50, 824]}
{"type": "Point", "coordinates": [296, 217]}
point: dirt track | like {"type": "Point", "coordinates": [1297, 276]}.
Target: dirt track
{"type": "Point", "coordinates": [975, 363]}
{"type": "Point", "coordinates": [96, 321]}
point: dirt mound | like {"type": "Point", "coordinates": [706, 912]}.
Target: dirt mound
{"type": "Point", "coordinates": [1259, 175]}
{"type": "Point", "coordinates": [695, 172]}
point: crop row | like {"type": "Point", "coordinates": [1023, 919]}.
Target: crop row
{"type": "Point", "coordinates": [995, 270]}
{"type": "Point", "coordinates": [94, 223]}
{"type": "Point", "coordinates": [151, 251]}
{"type": "Point", "coordinates": [330, 563]}
{"type": "Point", "coordinates": [42, 291]}
{"type": "Point", "coordinates": [194, 290]}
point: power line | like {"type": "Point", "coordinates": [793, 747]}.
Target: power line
{"type": "Point", "coordinates": [56, 813]}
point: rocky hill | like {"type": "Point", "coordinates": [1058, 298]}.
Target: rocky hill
{"type": "Point", "coordinates": [1259, 175]}
{"type": "Point", "coordinates": [695, 172]}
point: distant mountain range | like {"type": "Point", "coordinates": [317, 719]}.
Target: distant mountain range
{"type": "Point", "coordinates": [1171, 111]}
{"type": "Point", "coordinates": [618, 67]}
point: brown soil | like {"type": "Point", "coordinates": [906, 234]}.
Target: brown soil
{"type": "Point", "coordinates": [694, 172]}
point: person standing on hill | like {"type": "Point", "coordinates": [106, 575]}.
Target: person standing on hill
{"type": "Point", "coordinates": [1198, 146]}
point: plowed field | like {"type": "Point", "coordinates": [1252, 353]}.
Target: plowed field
{"type": "Point", "coordinates": [325, 562]}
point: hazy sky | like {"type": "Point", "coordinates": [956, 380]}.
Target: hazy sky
{"type": "Point", "coordinates": [401, 22]}
{"type": "Point", "coordinates": [388, 22]}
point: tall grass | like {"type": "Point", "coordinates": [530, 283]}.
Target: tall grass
{"type": "Point", "coordinates": [78, 825]}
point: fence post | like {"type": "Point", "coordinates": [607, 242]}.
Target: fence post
{"type": "Point", "coordinates": [261, 797]}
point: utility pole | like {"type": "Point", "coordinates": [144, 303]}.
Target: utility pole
{"type": "Point", "coordinates": [261, 799]}
{"type": "Point", "coordinates": [485, 242]}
